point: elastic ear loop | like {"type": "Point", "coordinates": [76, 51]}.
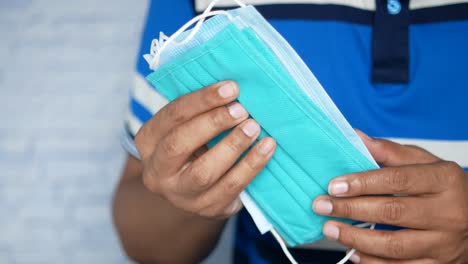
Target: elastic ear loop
{"type": "Point", "coordinates": [157, 46]}
{"type": "Point", "coordinates": [283, 246]}
{"type": "Point", "coordinates": [352, 251]}
{"type": "Point", "coordinates": [293, 261]}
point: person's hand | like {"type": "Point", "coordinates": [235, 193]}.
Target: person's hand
{"type": "Point", "coordinates": [178, 167]}
{"type": "Point", "coordinates": [432, 207]}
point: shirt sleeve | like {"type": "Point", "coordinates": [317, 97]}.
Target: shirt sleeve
{"type": "Point", "coordinates": [144, 100]}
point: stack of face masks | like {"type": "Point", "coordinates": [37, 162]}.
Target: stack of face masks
{"type": "Point", "coordinates": [315, 143]}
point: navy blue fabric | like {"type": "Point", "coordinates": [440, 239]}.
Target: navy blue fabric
{"type": "Point", "coordinates": [431, 106]}
{"type": "Point", "coordinates": [316, 12]}
{"type": "Point", "coordinates": [324, 12]}
{"type": "Point", "coordinates": [338, 47]}
{"type": "Point", "coordinates": [443, 13]}
{"type": "Point", "coordinates": [390, 47]}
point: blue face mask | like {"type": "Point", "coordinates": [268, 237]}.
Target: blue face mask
{"type": "Point", "coordinates": [315, 142]}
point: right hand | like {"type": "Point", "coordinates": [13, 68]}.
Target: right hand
{"type": "Point", "coordinates": [178, 166]}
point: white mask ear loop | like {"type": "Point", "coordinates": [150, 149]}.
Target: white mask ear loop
{"type": "Point", "coordinates": [204, 15]}
{"type": "Point", "coordinates": [157, 46]}
{"type": "Point", "coordinates": [283, 246]}
{"type": "Point", "coordinates": [293, 261]}
{"type": "Point", "coordinates": [352, 251]}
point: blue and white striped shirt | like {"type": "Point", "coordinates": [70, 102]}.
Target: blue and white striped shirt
{"type": "Point", "coordinates": [397, 69]}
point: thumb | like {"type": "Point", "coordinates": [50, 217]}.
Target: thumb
{"type": "Point", "coordinates": [389, 153]}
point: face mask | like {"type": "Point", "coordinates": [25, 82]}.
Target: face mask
{"type": "Point", "coordinates": [315, 143]}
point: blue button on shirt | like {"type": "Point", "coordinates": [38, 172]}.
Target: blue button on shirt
{"type": "Point", "coordinates": [393, 7]}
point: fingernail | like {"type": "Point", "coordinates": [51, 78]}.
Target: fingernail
{"type": "Point", "coordinates": [338, 187]}
{"type": "Point", "coordinates": [235, 206]}
{"type": "Point", "coordinates": [266, 147]}
{"type": "Point", "coordinates": [323, 206]}
{"type": "Point", "coordinates": [227, 90]}
{"type": "Point", "coordinates": [331, 232]}
{"type": "Point", "coordinates": [251, 128]}
{"type": "Point", "coordinates": [236, 110]}
{"type": "Point", "coordinates": [355, 258]}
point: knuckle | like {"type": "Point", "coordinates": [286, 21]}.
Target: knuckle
{"type": "Point", "coordinates": [365, 183]}
{"type": "Point", "coordinates": [392, 211]}
{"type": "Point", "coordinates": [393, 246]}
{"type": "Point", "coordinates": [200, 176]}
{"type": "Point", "coordinates": [382, 146]}
{"type": "Point", "coordinates": [171, 147]}
{"type": "Point", "coordinates": [362, 184]}
{"type": "Point", "coordinates": [453, 173]}
{"type": "Point", "coordinates": [210, 95]}
{"type": "Point", "coordinates": [254, 163]}
{"type": "Point", "coordinates": [424, 154]}
{"type": "Point", "coordinates": [235, 143]}
{"type": "Point", "coordinates": [175, 111]}
{"type": "Point", "coordinates": [140, 138]}
{"type": "Point", "coordinates": [397, 179]}
{"type": "Point", "coordinates": [233, 185]}
{"type": "Point", "coordinates": [219, 118]}
{"type": "Point", "coordinates": [150, 182]}
{"type": "Point", "coordinates": [347, 209]}
{"type": "Point", "coordinates": [348, 237]}
{"type": "Point", "coordinates": [141, 142]}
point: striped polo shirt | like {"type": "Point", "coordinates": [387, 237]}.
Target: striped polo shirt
{"type": "Point", "coordinates": [397, 69]}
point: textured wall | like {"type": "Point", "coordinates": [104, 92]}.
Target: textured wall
{"type": "Point", "coordinates": [65, 70]}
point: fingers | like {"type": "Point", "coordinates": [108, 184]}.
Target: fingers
{"type": "Point", "coordinates": [236, 180]}
{"type": "Point", "coordinates": [175, 148]}
{"type": "Point", "coordinates": [410, 212]}
{"type": "Point", "coordinates": [181, 110]}
{"type": "Point", "coordinates": [359, 257]}
{"type": "Point", "coordinates": [403, 244]}
{"type": "Point", "coordinates": [389, 153]}
{"type": "Point", "coordinates": [206, 170]}
{"type": "Point", "coordinates": [409, 179]}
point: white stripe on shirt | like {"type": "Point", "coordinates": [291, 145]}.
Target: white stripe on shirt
{"type": "Point", "coordinates": [200, 5]}
{"type": "Point", "coordinates": [417, 4]}
{"type": "Point", "coordinates": [133, 123]}
{"type": "Point", "coordinates": [146, 95]}
{"type": "Point", "coordinates": [453, 150]}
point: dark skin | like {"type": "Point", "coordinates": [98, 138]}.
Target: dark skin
{"type": "Point", "coordinates": [178, 197]}
{"type": "Point", "coordinates": [432, 206]}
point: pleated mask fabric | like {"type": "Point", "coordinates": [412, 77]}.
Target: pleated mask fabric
{"type": "Point", "coordinates": [315, 143]}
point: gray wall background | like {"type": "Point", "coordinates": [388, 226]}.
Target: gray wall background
{"type": "Point", "coordinates": [65, 71]}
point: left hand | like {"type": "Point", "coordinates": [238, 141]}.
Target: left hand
{"type": "Point", "coordinates": [432, 206]}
